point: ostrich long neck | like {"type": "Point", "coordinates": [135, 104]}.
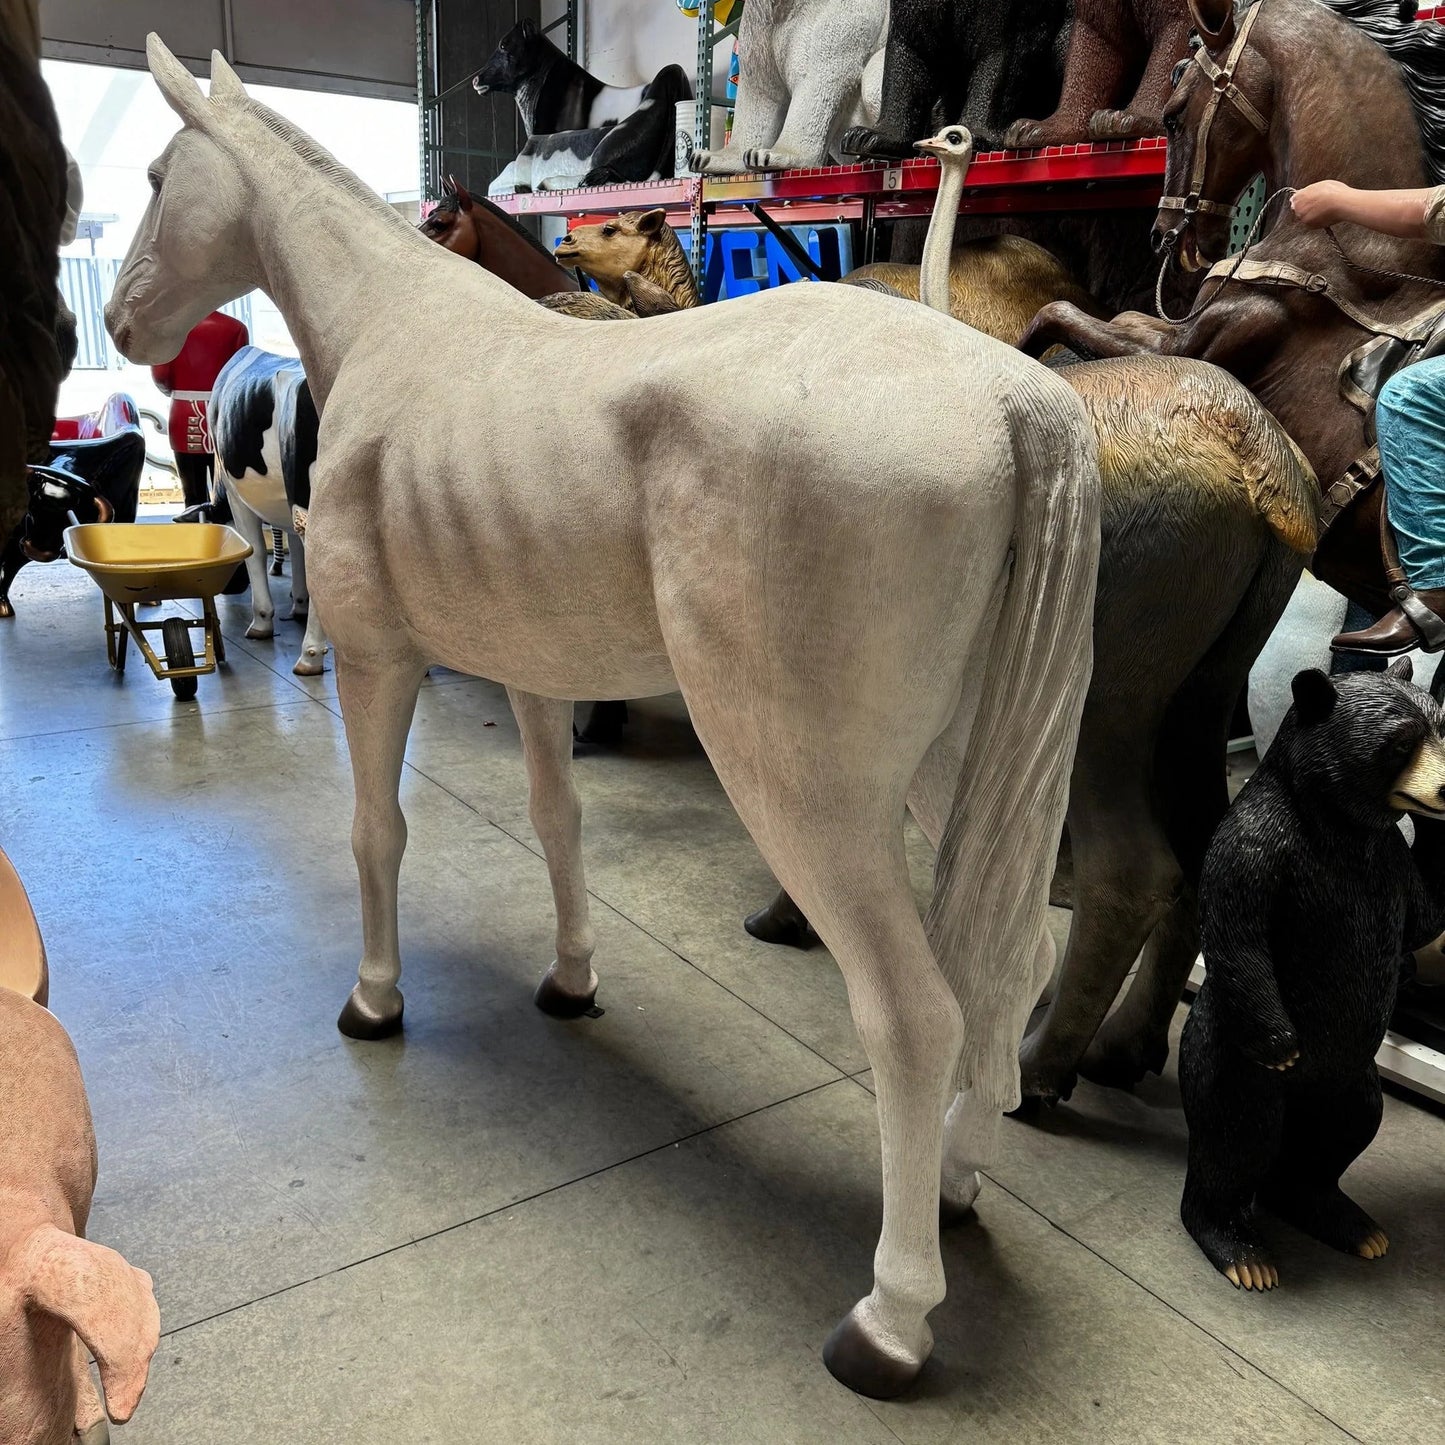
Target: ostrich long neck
{"type": "Point", "coordinates": [938, 247]}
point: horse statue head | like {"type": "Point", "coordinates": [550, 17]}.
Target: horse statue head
{"type": "Point", "coordinates": [1218, 126]}
{"type": "Point", "coordinates": [191, 253]}
{"type": "Point", "coordinates": [452, 222]}
{"type": "Point", "coordinates": [1301, 92]}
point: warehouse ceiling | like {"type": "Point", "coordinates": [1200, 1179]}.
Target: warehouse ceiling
{"type": "Point", "coordinates": [354, 47]}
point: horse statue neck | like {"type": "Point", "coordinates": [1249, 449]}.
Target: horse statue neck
{"type": "Point", "coordinates": [1342, 110]}
{"type": "Point", "coordinates": [331, 279]}
{"type": "Point", "coordinates": [505, 251]}
{"type": "Point", "coordinates": [1317, 59]}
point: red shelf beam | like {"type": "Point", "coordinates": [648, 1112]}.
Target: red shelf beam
{"type": "Point", "coordinates": [1114, 173]}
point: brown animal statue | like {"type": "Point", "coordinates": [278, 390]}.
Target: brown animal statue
{"type": "Point", "coordinates": [997, 284]}
{"type": "Point", "coordinates": [639, 241]}
{"type": "Point", "coordinates": [60, 1295]}
{"type": "Point", "coordinates": [33, 358]}
{"type": "Point", "coordinates": [645, 298]}
{"type": "Point", "coordinates": [476, 230]}
{"type": "Point", "coordinates": [1287, 318]}
{"type": "Point", "coordinates": [1114, 45]}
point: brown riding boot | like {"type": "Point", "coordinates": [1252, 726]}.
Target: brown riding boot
{"type": "Point", "coordinates": [1419, 621]}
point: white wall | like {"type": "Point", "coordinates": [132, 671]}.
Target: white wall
{"type": "Point", "coordinates": [629, 41]}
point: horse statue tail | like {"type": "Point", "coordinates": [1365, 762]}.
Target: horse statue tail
{"type": "Point", "coordinates": [987, 920]}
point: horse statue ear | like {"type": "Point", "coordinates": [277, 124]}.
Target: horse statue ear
{"type": "Point", "coordinates": [449, 186]}
{"type": "Point", "coordinates": [226, 87]}
{"type": "Point", "coordinates": [463, 195]}
{"type": "Point", "coordinates": [653, 222]}
{"type": "Point", "coordinates": [1214, 20]}
{"type": "Point", "coordinates": [178, 85]}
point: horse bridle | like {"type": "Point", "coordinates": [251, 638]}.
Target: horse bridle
{"type": "Point", "coordinates": [1221, 77]}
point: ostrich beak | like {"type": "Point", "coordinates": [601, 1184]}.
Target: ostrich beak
{"type": "Point", "coordinates": [930, 146]}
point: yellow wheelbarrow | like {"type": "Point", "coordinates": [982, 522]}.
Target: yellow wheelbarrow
{"type": "Point", "coordinates": [134, 562]}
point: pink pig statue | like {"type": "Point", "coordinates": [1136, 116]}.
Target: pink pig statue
{"type": "Point", "coordinates": [59, 1293]}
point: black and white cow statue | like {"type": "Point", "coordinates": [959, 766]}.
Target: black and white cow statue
{"type": "Point", "coordinates": [580, 132]}
{"type": "Point", "coordinates": [264, 425]}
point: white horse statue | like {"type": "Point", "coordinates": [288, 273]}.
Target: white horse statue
{"type": "Point", "coordinates": [881, 532]}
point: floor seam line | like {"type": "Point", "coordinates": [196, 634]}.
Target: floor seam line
{"type": "Point", "coordinates": [137, 722]}
{"type": "Point", "coordinates": [1170, 1306]}
{"type": "Point", "coordinates": [503, 1208]}
{"type": "Point", "coordinates": [641, 927]}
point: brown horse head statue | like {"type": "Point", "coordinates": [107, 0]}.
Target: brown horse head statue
{"type": "Point", "coordinates": [451, 223]}
{"type": "Point", "coordinates": [476, 230]}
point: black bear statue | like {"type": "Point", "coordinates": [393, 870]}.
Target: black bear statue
{"type": "Point", "coordinates": [1309, 901]}
{"type": "Point", "coordinates": [982, 62]}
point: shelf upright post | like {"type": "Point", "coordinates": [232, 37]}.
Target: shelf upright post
{"type": "Point", "coordinates": [423, 100]}
{"type": "Point", "coordinates": [574, 32]}
{"type": "Point", "coordinates": [702, 135]}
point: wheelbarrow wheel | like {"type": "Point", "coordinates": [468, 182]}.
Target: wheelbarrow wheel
{"type": "Point", "coordinates": [176, 634]}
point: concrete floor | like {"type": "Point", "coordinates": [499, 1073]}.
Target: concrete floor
{"type": "Point", "coordinates": [501, 1228]}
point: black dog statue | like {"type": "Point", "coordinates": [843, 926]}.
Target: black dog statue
{"type": "Point", "coordinates": [982, 62]}
{"type": "Point", "coordinates": [1309, 900]}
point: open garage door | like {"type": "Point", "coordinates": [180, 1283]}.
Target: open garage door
{"type": "Point", "coordinates": [355, 47]}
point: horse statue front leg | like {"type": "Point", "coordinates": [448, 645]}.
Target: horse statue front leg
{"type": "Point", "coordinates": [1061, 323]}
{"type": "Point", "coordinates": [569, 987]}
{"type": "Point", "coordinates": [378, 697]}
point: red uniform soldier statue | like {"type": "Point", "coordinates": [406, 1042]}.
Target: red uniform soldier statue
{"type": "Point", "coordinates": [188, 381]}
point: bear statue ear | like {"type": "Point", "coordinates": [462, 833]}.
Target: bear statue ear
{"type": "Point", "coordinates": [1402, 668]}
{"type": "Point", "coordinates": [1314, 696]}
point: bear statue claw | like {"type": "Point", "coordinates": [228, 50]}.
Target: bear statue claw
{"type": "Point", "coordinates": [871, 145]}
{"type": "Point", "coordinates": [1330, 1216]}
{"type": "Point", "coordinates": [1254, 1274]}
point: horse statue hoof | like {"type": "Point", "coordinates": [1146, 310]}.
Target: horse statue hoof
{"type": "Point", "coordinates": [781, 922]}
{"type": "Point", "coordinates": [359, 1020]}
{"type": "Point", "coordinates": [552, 999]}
{"type": "Point", "coordinates": [308, 665]}
{"type": "Point", "coordinates": [854, 1359]}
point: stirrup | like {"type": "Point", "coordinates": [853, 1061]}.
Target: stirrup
{"type": "Point", "coordinates": [1426, 623]}
{"type": "Point", "coordinates": [1430, 627]}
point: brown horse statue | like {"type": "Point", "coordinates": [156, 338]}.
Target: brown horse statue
{"type": "Point", "coordinates": [475, 229]}
{"type": "Point", "coordinates": [1307, 90]}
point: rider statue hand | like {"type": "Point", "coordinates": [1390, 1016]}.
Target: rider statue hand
{"type": "Point", "coordinates": [1395, 213]}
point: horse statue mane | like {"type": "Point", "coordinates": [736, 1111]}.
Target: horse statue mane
{"type": "Point", "coordinates": [1418, 48]}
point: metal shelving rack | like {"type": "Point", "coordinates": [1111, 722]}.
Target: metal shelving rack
{"type": "Point", "coordinates": [429, 100]}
